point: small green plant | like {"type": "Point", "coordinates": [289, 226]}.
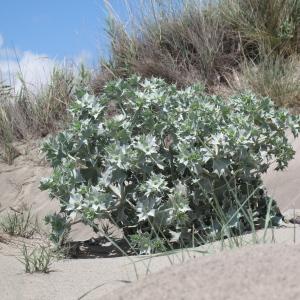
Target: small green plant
{"type": "Point", "coordinates": [172, 168]}
{"type": "Point", "coordinates": [19, 224]}
{"type": "Point", "coordinates": [60, 230]}
{"type": "Point", "coordinates": [145, 243]}
{"type": "Point", "coordinates": [37, 260]}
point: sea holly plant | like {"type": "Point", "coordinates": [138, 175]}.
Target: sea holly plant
{"type": "Point", "coordinates": [170, 167]}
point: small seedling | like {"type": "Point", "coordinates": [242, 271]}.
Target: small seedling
{"type": "Point", "coordinates": [38, 260]}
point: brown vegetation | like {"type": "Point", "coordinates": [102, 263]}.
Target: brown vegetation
{"type": "Point", "coordinates": [186, 42]}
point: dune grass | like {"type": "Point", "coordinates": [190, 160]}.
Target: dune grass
{"type": "Point", "coordinates": [187, 41]}
{"type": "Point", "coordinates": [19, 223]}
{"type": "Point", "coordinates": [29, 113]}
{"type": "Point", "coordinates": [275, 77]}
{"type": "Point", "coordinates": [37, 260]}
{"type": "Point", "coordinates": [180, 41]}
{"type": "Point", "coordinates": [265, 26]}
{"type": "Point", "coordinates": [26, 112]}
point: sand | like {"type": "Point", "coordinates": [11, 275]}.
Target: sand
{"type": "Point", "coordinates": [284, 186]}
{"type": "Point", "coordinates": [252, 272]}
{"type": "Point", "coordinates": [210, 272]}
{"type": "Point", "coordinates": [233, 271]}
{"type": "Point", "coordinates": [19, 183]}
{"type": "Point", "coordinates": [19, 188]}
{"type": "Point", "coordinates": [255, 272]}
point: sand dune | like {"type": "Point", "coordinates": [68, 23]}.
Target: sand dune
{"type": "Point", "coordinates": [19, 183]}
{"type": "Point", "coordinates": [254, 272]}
{"type": "Point", "coordinates": [284, 186]}
{"type": "Point", "coordinates": [187, 275]}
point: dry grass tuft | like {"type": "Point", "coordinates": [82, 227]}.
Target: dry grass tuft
{"type": "Point", "coordinates": [275, 77]}
{"type": "Point", "coordinates": [213, 42]}
{"type": "Point", "coordinates": [265, 26]}
{"type": "Point", "coordinates": [19, 223]}
{"type": "Point", "coordinates": [27, 114]}
{"type": "Point", "coordinates": [181, 43]}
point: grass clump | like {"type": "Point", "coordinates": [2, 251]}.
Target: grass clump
{"type": "Point", "coordinates": [191, 41]}
{"type": "Point", "coordinates": [19, 224]}
{"type": "Point", "coordinates": [9, 152]}
{"type": "Point", "coordinates": [270, 26]}
{"type": "Point", "coordinates": [28, 113]}
{"type": "Point", "coordinates": [151, 158]}
{"type": "Point", "coordinates": [37, 113]}
{"type": "Point", "coordinates": [275, 77]}
{"type": "Point", "coordinates": [37, 260]}
{"type": "Point", "coordinates": [179, 41]}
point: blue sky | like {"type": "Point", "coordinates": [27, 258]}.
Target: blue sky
{"type": "Point", "coordinates": [57, 28]}
{"type": "Point", "coordinates": [40, 33]}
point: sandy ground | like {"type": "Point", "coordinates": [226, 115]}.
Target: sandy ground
{"type": "Point", "coordinates": [162, 277]}
{"type": "Point", "coordinates": [19, 188]}
{"type": "Point", "coordinates": [284, 186]}
{"type": "Point", "coordinates": [19, 183]}
{"type": "Point", "coordinates": [253, 272]}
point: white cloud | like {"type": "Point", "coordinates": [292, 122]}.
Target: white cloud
{"type": "Point", "coordinates": [34, 69]}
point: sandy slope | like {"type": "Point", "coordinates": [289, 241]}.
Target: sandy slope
{"type": "Point", "coordinates": [255, 272]}
{"type": "Point", "coordinates": [19, 183]}
{"type": "Point", "coordinates": [73, 278]}
{"type": "Point", "coordinates": [115, 278]}
{"type": "Point", "coordinates": [284, 186]}
{"type": "Point", "coordinates": [19, 188]}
